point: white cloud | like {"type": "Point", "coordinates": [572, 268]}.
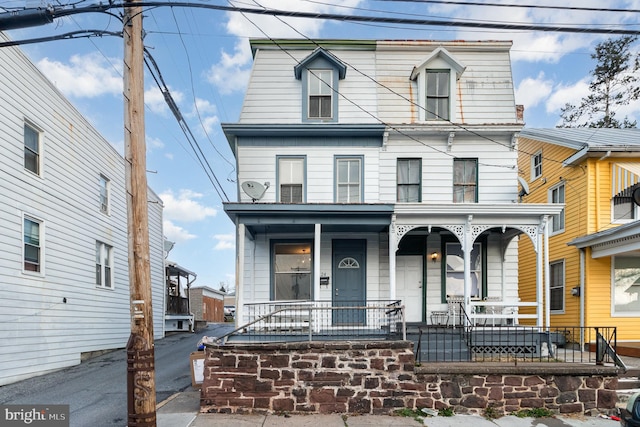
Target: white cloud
{"type": "Point", "coordinates": [185, 206]}
{"type": "Point", "coordinates": [87, 76]}
{"type": "Point", "coordinates": [531, 91]}
{"type": "Point", "coordinates": [176, 233]}
{"type": "Point", "coordinates": [153, 143]}
{"type": "Point", "coordinates": [567, 94]}
{"type": "Point", "coordinates": [206, 114]}
{"type": "Point", "coordinates": [224, 241]}
{"type": "Point", "coordinates": [154, 100]}
{"type": "Point", "coordinates": [231, 73]}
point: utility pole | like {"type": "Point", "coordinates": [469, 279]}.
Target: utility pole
{"type": "Point", "coordinates": [141, 388]}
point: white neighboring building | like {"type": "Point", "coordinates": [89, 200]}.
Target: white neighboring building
{"type": "Point", "coordinates": [63, 231]}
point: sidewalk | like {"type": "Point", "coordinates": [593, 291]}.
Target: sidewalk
{"type": "Point", "coordinates": [182, 410]}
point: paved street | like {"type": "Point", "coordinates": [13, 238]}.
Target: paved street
{"type": "Point", "coordinates": [96, 390]}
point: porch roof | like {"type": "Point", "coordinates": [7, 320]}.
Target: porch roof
{"type": "Point", "coordinates": [616, 240]}
{"type": "Point", "coordinates": [283, 217]}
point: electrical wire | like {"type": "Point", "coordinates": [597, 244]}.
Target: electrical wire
{"type": "Point", "coordinates": [157, 76]}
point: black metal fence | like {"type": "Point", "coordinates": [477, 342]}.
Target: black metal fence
{"type": "Point", "coordinates": [570, 344]}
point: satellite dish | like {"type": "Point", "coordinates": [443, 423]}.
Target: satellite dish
{"type": "Point", "coordinates": [254, 189]}
{"type": "Point", "coordinates": [525, 187]}
{"type": "Point", "coordinates": [636, 196]}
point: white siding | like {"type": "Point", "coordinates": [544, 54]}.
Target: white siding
{"type": "Point", "coordinates": [39, 331]}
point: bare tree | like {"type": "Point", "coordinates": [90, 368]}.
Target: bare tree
{"type": "Point", "coordinates": [615, 82]}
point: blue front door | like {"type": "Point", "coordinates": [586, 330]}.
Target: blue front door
{"type": "Point", "coordinates": [349, 281]}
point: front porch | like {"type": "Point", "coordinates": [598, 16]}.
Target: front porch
{"type": "Point", "coordinates": [461, 340]}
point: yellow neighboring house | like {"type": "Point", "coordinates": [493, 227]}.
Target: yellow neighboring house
{"type": "Point", "coordinates": [594, 245]}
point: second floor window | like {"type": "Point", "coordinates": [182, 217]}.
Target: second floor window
{"type": "Point", "coordinates": [437, 93]}
{"type": "Point", "coordinates": [104, 265]}
{"type": "Point", "coordinates": [349, 180]}
{"type": "Point", "coordinates": [536, 165]}
{"type": "Point", "coordinates": [32, 240]}
{"type": "Point", "coordinates": [409, 171]}
{"type": "Point", "coordinates": [320, 94]}
{"type": "Point", "coordinates": [556, 195]}
{"type": "Point", "coordinates": [31, 149]}
{"type": "Point", "coordinates": [291, 179]}
{"type": "Point", "coordinates": [465, 180]}
{"type": "Point", "coordinates": [104, 194]}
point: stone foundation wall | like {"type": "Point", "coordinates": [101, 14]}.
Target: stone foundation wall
{"type": "Point", "coordinates": [381, 377]}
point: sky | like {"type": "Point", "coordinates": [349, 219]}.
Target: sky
{"type": "Point", "coordinates": [204, 58]}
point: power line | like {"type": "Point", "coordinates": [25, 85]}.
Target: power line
{"type": "Point", "coordinates": [157, 76]}
{"type": "Point", "coordinates": [526, 6]}
{"type": "Point", "coordinates": [39, 16]}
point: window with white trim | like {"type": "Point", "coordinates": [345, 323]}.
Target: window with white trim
{"type": "Point", "coordinates": [536, 165]}
{"type": "Point", "coordinates": [320, 94]}
{"type": "Point", "coordinates": [32, 244]}
{"type": "Point", "coordinates": [556, 286]}
{"type": "Point", "coordinates": [105, 189]}
{"type": "Point", "coordinates": [349, 180]}
{"type": "Point", "coordinates": [556, 195]}
{"type": "Point", "coordinates": [465, 180]}
{"type": "Point", "coordinates": [291, 177]}
{"type": "Point", "coordinates": [104, 265]}
{"type": "Point", "coordinates": [409, 180]}
{"type": "Point", "coordinates": [292, 271]}
{"type": "Point", "coordinates": [626, 285]}
{"type": "Point", "coordinates": [438, 95]}
{"type": "Point", "coordinates": [32, 149]}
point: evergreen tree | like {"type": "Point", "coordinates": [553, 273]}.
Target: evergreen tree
{"type": "Point", "coordinates": [615, 82]}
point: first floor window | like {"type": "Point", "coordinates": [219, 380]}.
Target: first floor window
{"type": "Point", "coordinates": [409, 172]}
{"type": "Point", "coordinates": [454, 258]}
{"type": "Point", "coordinates": [556, 286]}
{"type": "Point", "coordinates": [292, 271]}
{"type": "Point", "coordinates": [465, 180]}
{"type": "Point", "coordinates": [349, 180]}
{"type": "Point", "coordinates": [32, 239]}
{"type": "Point", "coordinates": [626, 285]}
{"type": "Point", "coordinates": [104, 265]}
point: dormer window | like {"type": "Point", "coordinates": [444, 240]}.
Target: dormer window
{"type": "Point", "coordinates": [320, 74]}
{"type": "Point", "coordinates": [320, 94]}
{"type": "Point", "coordinates": [436, 77]}
{"type": "Point", "coordinates": [438, 94]}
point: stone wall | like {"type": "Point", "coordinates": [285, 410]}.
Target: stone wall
{"type": "Point", "coordinates": [381, 377]}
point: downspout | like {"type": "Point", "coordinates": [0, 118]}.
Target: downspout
{"type": "Point", "coordinates": [582, 285]}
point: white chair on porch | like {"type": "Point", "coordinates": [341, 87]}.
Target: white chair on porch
{"type": "Point", "coordinates": [454, 303]}
{"type": "Point", "coordinates": [491, 310]}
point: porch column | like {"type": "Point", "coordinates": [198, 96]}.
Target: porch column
{"type": "Point", "coordinates": [539, 291]}
{"type": "Point", "coordinates": [316, 261]}
{"type": "Point", "coordinates": [547, 276]}
{"type": "Point", "coordinates": [467, 246]}
{"type": "Point", "coordinates": [392, 261]}
{"type": "Point", "coordinates": [239, 273]}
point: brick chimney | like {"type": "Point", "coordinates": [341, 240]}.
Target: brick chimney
{"type": "Point", "coordinates": [520, 113]}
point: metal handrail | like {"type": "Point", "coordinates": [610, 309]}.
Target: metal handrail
{"type": "Point", "coordinates": [391, 309]}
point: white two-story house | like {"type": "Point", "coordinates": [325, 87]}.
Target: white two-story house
{"type": "Point", "coordinates": [382, 171]}
{"type": "Point", "coordinates": [64, 270]}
